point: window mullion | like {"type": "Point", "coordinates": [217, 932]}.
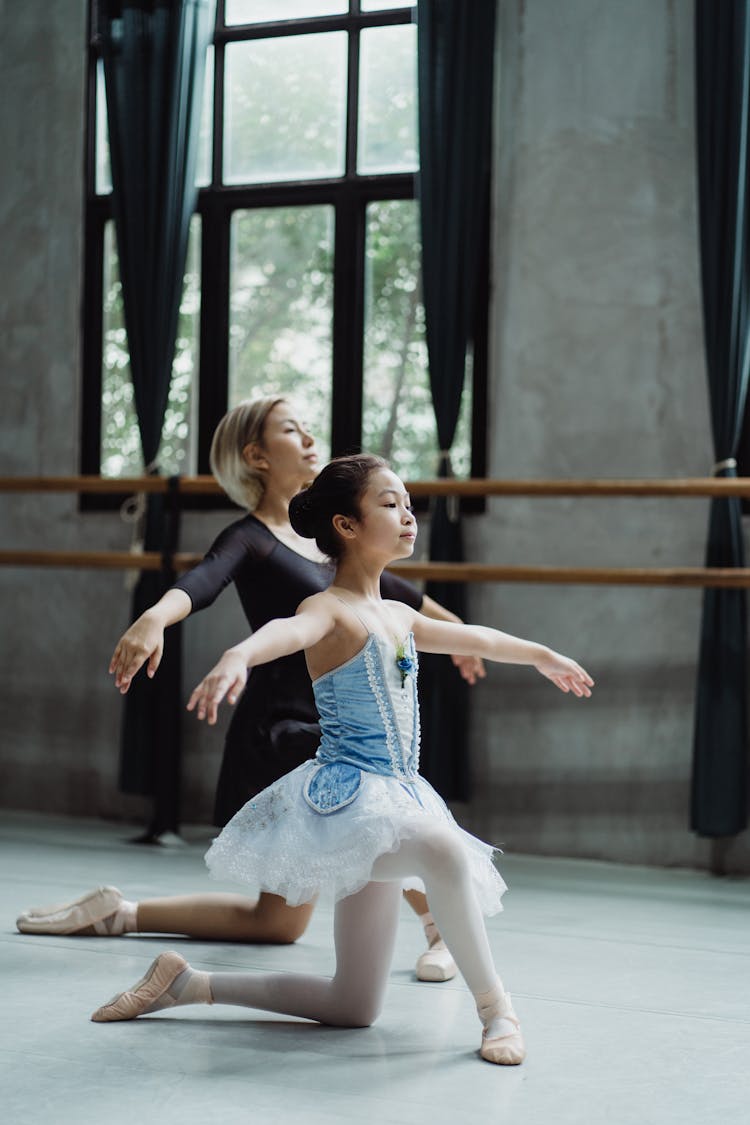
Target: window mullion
{"type": "Point", "coordinates": [217, 152]}
{"type": "Point", "coordinates": [213, 376]}
{"type": "Point", "coordinates": [348, 325]}
{"type": "Point", "coordinates": [352, 102]}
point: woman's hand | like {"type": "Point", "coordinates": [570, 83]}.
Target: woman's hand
{"type": "Point", "coordinates": [144, 641]}
{"type": "Point", "coordinates": [227, 678]}
{"type": "Point", "coordinates": [565, 673]}
{"type": "Point", "coordinates": [470, 667]}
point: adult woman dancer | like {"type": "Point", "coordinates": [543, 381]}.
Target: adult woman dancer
{"type": "Point", "coordinates": [358, 819]}
{"type": "Point", "coordinates": [261, 455]}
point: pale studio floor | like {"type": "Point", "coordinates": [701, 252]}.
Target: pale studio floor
{"type": "Point", "coordinates": [633, 986]}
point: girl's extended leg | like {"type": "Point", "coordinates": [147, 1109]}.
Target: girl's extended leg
{"type": "Point", "coordinates": [364, 935]}
{"type": "Point", "coordinates": [441, 862]}
{"type": "Point", "coordinates": [209, 917]}
{"type": "Point", "coordinates": [364, 932]}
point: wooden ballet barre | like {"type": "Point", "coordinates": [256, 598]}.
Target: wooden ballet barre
{"type": "Point", "coordinates": [434, 571]}
{"type": "Point", "coordinates": [685, 576]}
{"type": "Point", "coordinates": [478, 486]}
{"type": "Point", "coordinates": [96, 560]}
{"type": "Point", "coordinates": [194, 486]}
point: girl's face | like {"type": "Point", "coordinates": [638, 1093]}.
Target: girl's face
{"type": "Point", "coordinates": [287, 449]}
{"type": "Point", "coordinates": [386, 524]}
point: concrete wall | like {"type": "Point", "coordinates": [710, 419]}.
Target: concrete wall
{"type": "Point", "coordinates": [597, 371]}
{"type": "Point", "coordinates": [59, 713]}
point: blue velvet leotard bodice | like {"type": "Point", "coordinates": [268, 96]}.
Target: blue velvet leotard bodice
{"type": "Point", "coordinates": [369, 716]}
{"type": "Point", "coordinates": [369, 721]}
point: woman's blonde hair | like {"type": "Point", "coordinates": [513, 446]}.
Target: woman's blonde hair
{"type": "Point", "coordinates": [239, 428]}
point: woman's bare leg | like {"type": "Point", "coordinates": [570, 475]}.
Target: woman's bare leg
{"type": "Point", "coordinates": [210, 917]}
{"type": "Point", "coordinates": [418, 902]}
{"type": "Point", "coordinates": [225, 917]}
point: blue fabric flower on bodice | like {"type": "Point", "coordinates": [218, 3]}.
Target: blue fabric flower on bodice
{"type": "Point", "coordinates": [404, 662]}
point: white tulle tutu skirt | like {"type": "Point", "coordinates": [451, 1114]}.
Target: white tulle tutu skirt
{"type": "Point", "coordinates": [278, 843]}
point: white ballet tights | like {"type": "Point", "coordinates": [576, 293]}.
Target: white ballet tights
{"type": "Point", "coordinates": [364, 934]}
{"type": "Point", "coordinates": [439, 859]}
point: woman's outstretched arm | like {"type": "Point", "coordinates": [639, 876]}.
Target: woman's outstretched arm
{"type": "Point", "coordinates": [144, 640]}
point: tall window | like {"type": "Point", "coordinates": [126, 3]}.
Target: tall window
{"type": "Point", "coordinates": [303, 271]}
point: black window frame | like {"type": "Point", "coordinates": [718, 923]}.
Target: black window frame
{"type": "Point", "coordinates": [349, 196]}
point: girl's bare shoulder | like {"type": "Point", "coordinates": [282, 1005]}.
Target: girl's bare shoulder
{"type": "Point", "coordinates": [404, 612]}
{"type": "Point", "coordinates": [325, 603]}
{"type": "Point", "coordinates": [314, 601]}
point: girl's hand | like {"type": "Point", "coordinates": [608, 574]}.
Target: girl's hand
{"type": "Point", "coordinates": [470, 667]}
{"type": "Point", "coordinates": [228, 678]}
{"type": "Point", "coordinates": [565, 673]}
{"type": "Point", "coordinates": [143, 641]}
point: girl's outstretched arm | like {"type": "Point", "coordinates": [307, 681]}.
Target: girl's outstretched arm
{"type": "Point", "coordinates": [491, 644]}
{"type": "Point", "coordinates": [471, 667]}
{"type": "Point", "coordinates": [277, 638]}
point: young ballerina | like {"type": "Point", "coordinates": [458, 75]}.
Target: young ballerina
{"type": "Point", "coordinates": [358, 819]}
{"type": "Point", "coordinates": [262, 454]}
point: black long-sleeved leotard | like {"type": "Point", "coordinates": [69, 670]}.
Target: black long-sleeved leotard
{"type": "Point", "coordinates": [275, 724]}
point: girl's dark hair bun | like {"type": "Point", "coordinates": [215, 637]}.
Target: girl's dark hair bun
{"type": "Point", "coordinates": [335, 491]}
{"type": "Point", "coordinates": [302, 514]}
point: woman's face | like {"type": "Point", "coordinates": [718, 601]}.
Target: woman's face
{"type": "Point", "coordinates": [287, 448]}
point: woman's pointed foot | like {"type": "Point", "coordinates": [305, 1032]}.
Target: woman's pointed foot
{"type": "Point", "coordinates": [436, 963]}
{"type": "Point", "coordinates": [152, 989]}
{"type": "Point", "coordinates": [84, 916]}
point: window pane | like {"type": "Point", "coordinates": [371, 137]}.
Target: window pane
{"type": "Point", "coordinates": [398, 421]}
{"type": "Point", "coordinates": [103, 172]}
{"type": "Point", "coordinates": [203, 163]}
{"type": "Point", "coordinates": [261, 11]}
{"type": "Point", "coordinates": [281, 310]}
{"type": "Point", "coordinates": [388, 99]}
{"type": "Point", "coordinates": [120, 441]}
{"type": "Point", "coordinates": [285, 111]}
{"type": "Point", "coordinates": [381, 5]}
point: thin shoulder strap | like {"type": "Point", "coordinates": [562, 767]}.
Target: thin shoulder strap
{"type": "Point", "coordinates": [364, 625]}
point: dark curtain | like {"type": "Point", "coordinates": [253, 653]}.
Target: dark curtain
{"type": "Point", "coordinates": [151, 744]}
{"type": "Point", "coordinates": [154, 54]}
{"type": "Point", "coordinates": [456, 42]}
{"type": "Point", "coordinates": [722, 44]}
